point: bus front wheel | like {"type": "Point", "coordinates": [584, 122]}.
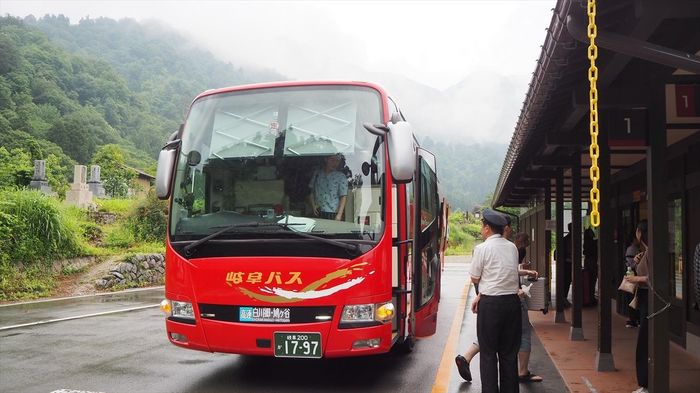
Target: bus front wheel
{"type": "Point", "coordinates": [407, 345]}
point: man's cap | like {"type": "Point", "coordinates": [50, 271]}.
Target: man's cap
{"type": "Point", "coordinates": [507, 217]}
{"type": "Point", "coordinates": [494, 218]}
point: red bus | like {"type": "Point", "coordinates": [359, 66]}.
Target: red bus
{"type": "Point", "coordinates": [254, 268]}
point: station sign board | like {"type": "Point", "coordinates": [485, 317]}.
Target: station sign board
{"type": "Point", "coordinates": [628, 127]}
{"type": "Point", "coordinates": [683, 103]}
{"type": "Point", "coordinates": [687, 100]}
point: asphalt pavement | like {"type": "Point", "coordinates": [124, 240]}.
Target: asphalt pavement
{"type": "Point", "coordinates": [116, 343]}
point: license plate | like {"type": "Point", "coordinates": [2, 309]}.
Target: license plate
{"type": "Point", "coordinates": [297, 345]}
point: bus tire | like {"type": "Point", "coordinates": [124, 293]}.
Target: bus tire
{"type": "Point", "coordinates": [407, 345]}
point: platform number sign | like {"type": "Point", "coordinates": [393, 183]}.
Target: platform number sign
{"type": "Point", "coordinates": [628, 127]}
{"type": "Point", "coordinates": [688, 100]}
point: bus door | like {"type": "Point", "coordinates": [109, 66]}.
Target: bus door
{"type": "Point", "coordinates": [426, 245]}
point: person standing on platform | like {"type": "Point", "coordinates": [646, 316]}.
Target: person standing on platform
{"type": "Point", "coordinates": [642, 281]}
{"type": "Point", "coordinates": [524, 375]}
{"type": "Point", "coordinates": [522, 240]}
{"type": "Point", "coordinates": [494, 271]}
{"type": "Point", "coordinates": [566, 256]}
{"type": "Point", "coordinates": [568, 264]}
{"type": "Point", "coordinates": [590, 266]}
{"type": "Point", "coordinates": [631, 252]}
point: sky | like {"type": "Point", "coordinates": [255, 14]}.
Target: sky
{"type": "Point", "coordinates": [415, 47]}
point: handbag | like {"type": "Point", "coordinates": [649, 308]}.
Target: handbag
{"type": "Point", "coordinates": [627, 286]}
{"type": "Point", "coordinates": [635, 300]}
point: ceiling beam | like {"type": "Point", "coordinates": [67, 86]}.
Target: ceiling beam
{"type": "Point", "coordinates": [567, 139]}
{"type": "Point", "coordinates": [532, 183]}
{"type": "Point", "coordinates": [539, 174]}
{"type": "Point", "coordinates": [555, 161]}
{"type": "Point", "coordinates": [636, 96]}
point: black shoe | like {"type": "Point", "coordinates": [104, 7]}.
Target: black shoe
{"type": "Point", "coordinates": [631, 324]}
{"type": "Point", "coordinates": [463, 368]}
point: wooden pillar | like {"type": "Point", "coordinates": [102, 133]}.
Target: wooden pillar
{"type": "Point", "coordinates": [548, 240]}
{"type": "Point", "coordinates": [658, 243]}
{"type": "Point", "coordinates": [559, 316]}
{"type": "Point", "coordinates": [606, 258]}
{"type": "Point", "coordinates": [576, 333]}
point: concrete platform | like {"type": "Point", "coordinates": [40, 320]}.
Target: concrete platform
{"type": "Point", "coordinates": [575, 360]}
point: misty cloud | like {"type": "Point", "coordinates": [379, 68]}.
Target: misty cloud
{"type": "Point", "coordinates": [459, 70]}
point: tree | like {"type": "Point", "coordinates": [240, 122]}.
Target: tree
{"type": "Point", "coordinates": [80, 132]}
{"type": "Point", "coordinates": [115, 175]}
{"type": "Point", "coordinates": [16, 167]}
{"type": "Point", "coordinates": [10, 58]}
{"type": "Point", "coordinates": [57, 172]}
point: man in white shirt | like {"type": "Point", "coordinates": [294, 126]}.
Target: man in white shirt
{"type": "Point", "coordinates": [494, 272]}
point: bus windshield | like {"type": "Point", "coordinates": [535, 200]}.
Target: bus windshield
{"type": "Point", "coordinates": [296, 156]}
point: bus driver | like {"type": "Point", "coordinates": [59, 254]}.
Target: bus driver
{"type": "Point", "coordinates": [329, 190]}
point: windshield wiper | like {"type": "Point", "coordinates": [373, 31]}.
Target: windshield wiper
{"type": "Point", "coordinates": [190, 248]}
{"type": "Point", "coordinates": [347, 246]}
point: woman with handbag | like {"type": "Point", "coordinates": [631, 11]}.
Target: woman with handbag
{"type": "Point", "coordinates": [641, 297]}
{"type": "Point", "coordinates": [632, 250]}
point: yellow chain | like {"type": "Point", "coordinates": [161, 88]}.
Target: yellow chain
{"type": "Point", "coordinates": [593, 95]}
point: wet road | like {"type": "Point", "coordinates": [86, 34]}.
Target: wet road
{"type": "Point", "coordinates": [128, 352]}
{"type": "Point", "coordinates": [57, 310]}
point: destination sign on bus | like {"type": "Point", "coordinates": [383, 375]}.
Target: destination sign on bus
{"type": "Point", "coordinates": [264, 314]}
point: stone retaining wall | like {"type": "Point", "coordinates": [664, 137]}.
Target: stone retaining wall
{"type": "Point", "coordinates": [104, 218]}
{"type": "Point", "coordinates": [135, 271]}
{"type": "Point", "coordinates": [73, 264]}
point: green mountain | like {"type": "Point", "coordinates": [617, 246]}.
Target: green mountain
{"type": "Point", "coordinates": [468, 172]}
{"type": "Point", "coordinates": [67, 89]}
{"type": "Point", "coordinates": [73, 88]}
{"type": "Point", "coordinates": [164, 69]}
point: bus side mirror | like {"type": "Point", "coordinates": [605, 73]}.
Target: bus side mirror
{"type": "Point", "coordinates": [166, 165]}
{"type": "Point", "coordinates": [402, 155]}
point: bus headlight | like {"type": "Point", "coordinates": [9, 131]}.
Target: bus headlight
{"type": "Point", "coordinates": [183, 310]}
{"type": "Point", "coordinates": [379, 312]}
{"type": "Point", "coordinates": [176, 309]}
{"type": "Point", "coordinates": [357, 313]}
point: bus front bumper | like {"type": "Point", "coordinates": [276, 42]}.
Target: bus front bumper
{"type": "Point", "coordinates": [258, 339]}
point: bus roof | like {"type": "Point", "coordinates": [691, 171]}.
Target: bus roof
{"type": "Point", "coordinates": [268, 85]}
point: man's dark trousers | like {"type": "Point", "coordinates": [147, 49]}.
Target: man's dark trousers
{"type": "Point", "coordinates": [498, 326]}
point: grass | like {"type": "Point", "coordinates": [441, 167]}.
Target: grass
{"type": "Point", "coordinates": [463, 234]}
{"type": "Point", "coordinates": [71, 270]}
{"type": "Point", "coordinates": [464, 248]}
{"type": "Point", "coordinates": [148, 248]}
{"type": "Point", "coordinates": [36, 230]}
{"type": "Point", "coordinates": [120, 207]}
{"type": "Point", "coordinates": [25, 283]}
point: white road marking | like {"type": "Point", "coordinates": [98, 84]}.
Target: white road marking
{"type": "Point", "coordinates": [589, 385]}
{"type": "Point", "coordinates": [73, 391]}
{"type": "Point", "coordinates": [81, 296]}
{"type": "Point", "coordinates": [78, 317]}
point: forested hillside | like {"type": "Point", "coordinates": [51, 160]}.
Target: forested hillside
{"type": "Point", "coordinates": [163, 69]}
{"type": "Point", "coordinates": [468, 173]}
{"type": "Point", "coordinates": [66, 90]}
